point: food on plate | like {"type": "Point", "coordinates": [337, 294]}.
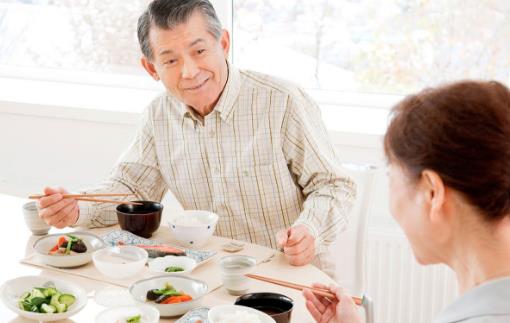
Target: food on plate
{"type": "Point", "coordinates": [131, 319]}
{"type": "Point", "coordinates": [68, 244]}
{"type": "Point", "coordinates": [238, 316]}
{"type": "Point", "coordinates": [158, 250]}
{"type": "Point", "coordinates": [173, 269]}
{"type": "Point", "coordinates": [167, 295]}
{"type": "Point", "coordinates": [45, 300]}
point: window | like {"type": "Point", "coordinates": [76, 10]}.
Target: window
{"type": "Point", "coordinates": [372, 46]}
{"type": "Point", "coordinates": [86, 41]}
{"type": "Point", "coordinates": [356, 57]}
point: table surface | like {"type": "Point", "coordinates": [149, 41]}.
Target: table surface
{"type": "Point", "coordinates": [16, 241]}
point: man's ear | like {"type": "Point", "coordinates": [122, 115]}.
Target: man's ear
{"type": "Point", "coordinates": [434, 193]}
{"type": "Point", "coordinates": [225, 42]}
{"type": "Point", "coordinates": [149, 67]}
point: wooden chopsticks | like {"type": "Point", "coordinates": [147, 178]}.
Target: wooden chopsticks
{"type": "Point", "coordinates": [90, 198]}
{"type": "Point", "coordinates": [318, 291]}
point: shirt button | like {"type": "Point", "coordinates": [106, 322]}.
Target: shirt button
{"type": "Point", "coordinates": [211, 133]}
{"type": "Point", "coordinates": [215, 170]}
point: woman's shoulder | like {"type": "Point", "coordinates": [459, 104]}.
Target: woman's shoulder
{"type": "Point", "coordinates": [486, 303]}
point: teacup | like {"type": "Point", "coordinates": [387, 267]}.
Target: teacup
{"type": "Point", "coordinates": [32, 219]}
{"type": "Point", "coordinates": [233, 270]}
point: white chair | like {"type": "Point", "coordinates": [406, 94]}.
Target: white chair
{"type": "Point", "coordinates": [350, 247]}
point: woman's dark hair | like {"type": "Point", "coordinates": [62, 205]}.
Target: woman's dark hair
{"type": "Point", "coordinates": [166, 14]}
{"type": "Point", "coordinates": [462, 132]}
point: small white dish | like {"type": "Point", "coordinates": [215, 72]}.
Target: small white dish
{"type": "Point", "coordinates": [192, 228]}
{"type": "Point", "coordinates": [43, 245]}
{"type": "Point", "coordinates": [160, 264]}
{"type": "Point", "coordinates": [219, 313]}
{"type": "Point", "coordinates": [119, 314]}
{"type": "Point", "coordinates": [193, 287]}
{"type": "Point", "coordinates": [12, 289]}
{"type": "Point", "coordinates": [120, 262]}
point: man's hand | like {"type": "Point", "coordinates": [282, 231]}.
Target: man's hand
{"type": "Point", "coordinates": [298, 244]}
{"type": "Point", "coordinates": [56, 210]}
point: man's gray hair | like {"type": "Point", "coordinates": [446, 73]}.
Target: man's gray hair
{"type": "Point", "coordinates": [166, 14]}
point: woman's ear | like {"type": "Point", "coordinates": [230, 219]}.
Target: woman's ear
{"type": "Point", "coordinates": [149, 67]}
{"type": "Point", "coordinates": [434, 193]}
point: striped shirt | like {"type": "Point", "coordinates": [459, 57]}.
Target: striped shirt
{"type": "Point", "coordinates": [262, 160]}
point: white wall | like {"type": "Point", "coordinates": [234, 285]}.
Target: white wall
{"type": "Point", "coordinates": [39, 150]}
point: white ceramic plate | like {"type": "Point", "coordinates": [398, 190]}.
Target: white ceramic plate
{"type": "Point", "coordinates": [12, 289]}
{"type": "Point", "coordinates": [195, 288]}
{"type": "Point", "coordinates": [44, 244]}
{"type": "Point", "coordinates": [118, 314]}
{"type": "Point", "coordinates": [161, 263]}
{"type": "Point", "coordinates": [217, 312]}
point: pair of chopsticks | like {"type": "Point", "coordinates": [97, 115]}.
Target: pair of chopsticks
{"type": "Point", "coordinates": [90, 198]}
{"type": "Point", "coordinates": [318, 291]}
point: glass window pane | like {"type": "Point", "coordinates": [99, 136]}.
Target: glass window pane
{"type": "Point", "coordinates": [85, 35]}
{"type": "Point", "coordinates": [391, 46]}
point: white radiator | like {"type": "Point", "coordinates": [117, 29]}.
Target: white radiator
{"type": "Point", "coordinates": [402, 290]}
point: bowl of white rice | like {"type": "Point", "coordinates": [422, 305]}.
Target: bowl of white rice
{"type": "Point", "coordinates": [237, 314]}
{"type": "Point", "coordinates": [192, 228]}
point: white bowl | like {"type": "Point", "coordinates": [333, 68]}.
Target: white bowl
{"type": "Point", "coordinates": [120, 262]}
{"type": "Point", "coordinates": [116, 314]}
{"type": "Point", "coordinates": [161, 263]}
{"type": "Point", "coordinates": [215, 314]}
{"type": "Point", "coordinates": [43, 245]}
{"type": "Point", "coordinates": [195, 288]}
{"type": "Point", "coordinates": [12, 289]}
{"type": "Point", "coordinates": [192, 228]}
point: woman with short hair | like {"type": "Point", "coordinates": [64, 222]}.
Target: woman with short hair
{"type": "Point", "coordinates": [448, 151]}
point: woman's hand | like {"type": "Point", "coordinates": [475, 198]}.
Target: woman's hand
{"type": "Point", "coordinates": [323, 310]}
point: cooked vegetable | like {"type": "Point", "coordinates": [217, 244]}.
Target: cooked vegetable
{"type": "Point", "coordinates": [134, 319]}
{"type": "Point", "coordinates": [45, 300]}
{"type": "Point", "coordinates": [68, 243]}
{"type": "Point", "coordinates": [167, 295]}
{"type": "Point", "coordinates": [173, 269]}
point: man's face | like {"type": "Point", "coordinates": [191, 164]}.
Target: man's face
{"type": "Point", "coordinates": [190, 62]}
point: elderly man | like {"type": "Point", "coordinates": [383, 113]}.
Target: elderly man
{"type": "Point", "coordinates": [247, 146]}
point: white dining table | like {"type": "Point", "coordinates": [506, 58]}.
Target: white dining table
{"type": "Point", "coordinates": [16, 242]}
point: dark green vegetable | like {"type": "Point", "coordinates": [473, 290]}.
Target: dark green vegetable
{"type": "Point", "coordinates": [173, 269]}
{"type": "Point", "coordinates": [152, 295]}
{"type": "Point", "coordinates": [161, 294]}
{"type": "Point", "coordinates": [134, 319]}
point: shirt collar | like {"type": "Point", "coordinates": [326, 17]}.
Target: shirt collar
{"type": "Point", "coordinates": [226, 103]}
{"type": "Point", "coordinates": [490, 298]}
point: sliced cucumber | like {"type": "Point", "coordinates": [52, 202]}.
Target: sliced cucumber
{"type": "Point", "coordinates": [61, 308]}
{"type": "Point", "coordinates": [45, 308]}
{"type": "Point", "coordinates": [36, 293]}
{"type": "Point", "coordinates": [54, 300]}
{"type": "Point", "coordinates": [25, 295]}
{"type": "Point", "coordinates": [67, 299]}
{"type": "Point", "coordinates": [49, 291]}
